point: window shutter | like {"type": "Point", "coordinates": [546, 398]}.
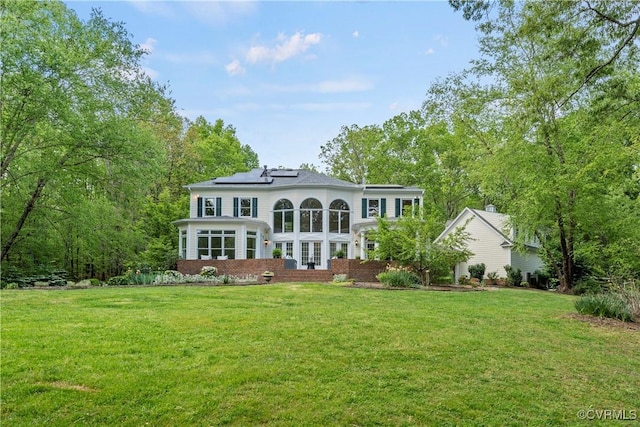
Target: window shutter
{"type": "Point", "coordinates": [254, 207]}
{"type": "Point", "coordinates": [199, 207]}
{"type": "Point", "coordinates": [235, 206]}
{"type": "Point", "coordinates": [398, 211]}
{"type": "Point", "coordinates": [416, 206]}
{"type": "Point", "coordinates": [219, 206]}
{"type": "Point", "coordinates": [383, 207]}
{"type": "Point", "coordinates": [364, 208]}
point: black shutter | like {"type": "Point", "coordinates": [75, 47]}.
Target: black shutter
{"type": "Point", "coordinates": [199, 207]}
{"type": "Point", "coordinates": [254, 207]}
{"type": "Point", "coordinates": [383, 207]}
{"type": "Point", "coordinates": [398, 208]}
{"type": "Point", "coordinates": [219, 206]}
{"type": "Point", "coordinates": [235, 206]}
{"type": "Point", "coordinates": [364, 208]}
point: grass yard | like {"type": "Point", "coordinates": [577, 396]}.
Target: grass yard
{"type": "Point", "coordinates": [305, 354]}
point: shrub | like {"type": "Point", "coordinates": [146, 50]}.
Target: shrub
{"type": "Point", "coordinates": [209, 271]}
{"type": "Point", "coordinates": [492, 278]}
{"type": "Point", "coordinates": [339, 253]}
{"type": "Point", "coordinates": [276, 253]}
{"type": "Point", "coordinates": [118, 281]}
{"type": "Point", "coordinates": [514, 276]}
{"type": "Point", "coordinates": [587, 285]}
{"type": "Point", "coordinates": [338, 278]}
{"type": "Point", "coordinates": [463, 280]}
{"type": "Point", "coordinates": [608, 304]}
{"type": "Point", "coordinates": [476, 271]}
{"type": "Point", "coordinates": [399, 278]}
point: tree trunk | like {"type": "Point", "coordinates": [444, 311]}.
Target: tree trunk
{"type": "Point", "coordinates": [23, 218]}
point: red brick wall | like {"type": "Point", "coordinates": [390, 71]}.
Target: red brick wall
{"type": "Point", "coordinates": [358, 270]}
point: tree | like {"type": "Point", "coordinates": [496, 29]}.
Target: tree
{"type": "Point", "coordinates": [217, 150]}
{"type": "Point", "coordinates": [73, 95]}
{"type": "Point", "coordinates": [409, 240]}
{"type": "Point", "coordinates": [411, 149]}
{"type": "Point", "coordinates": [552, 109]}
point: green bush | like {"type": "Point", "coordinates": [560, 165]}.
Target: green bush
{"type": "Point", "coordinates": [118, 281]}
{"type": "Point", "coordinates": [399, 279]}
{"type": "Point", "coordinates": [514, 276]}
{"type": "Point", "coordinates": [476, 271]}
{"type": "Point", "coordinates": [608, 304]}
{"type": "Point", "coordinates": [587, 285]}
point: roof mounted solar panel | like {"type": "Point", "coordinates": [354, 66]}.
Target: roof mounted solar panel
{"type": "Point", "coordinates": [284, 173]}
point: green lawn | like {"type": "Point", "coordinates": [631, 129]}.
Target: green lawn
{"type": "Point", "coordinates": [301, 355]}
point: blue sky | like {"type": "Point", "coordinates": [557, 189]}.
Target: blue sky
{"type": "Point", "coordinates": [288, 75]}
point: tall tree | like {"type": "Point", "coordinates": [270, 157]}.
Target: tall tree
{"type": "Point", "coordinates": [72, 96]}
{"type": "Point", "coordinates": [551, 108]}
{"type": "Point", "coordinates": [409, 240]}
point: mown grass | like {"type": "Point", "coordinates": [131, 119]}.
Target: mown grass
{"type": "Point", "coordinates": [308, 354]}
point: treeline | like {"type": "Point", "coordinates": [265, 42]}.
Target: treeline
{"type": "Point", "coordinates": [545, 125]}
{"type": "Point", "coordinates": [94, 154]}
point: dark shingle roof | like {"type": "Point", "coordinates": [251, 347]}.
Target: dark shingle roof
{"type": "Point", "coordinates": [274, 178]}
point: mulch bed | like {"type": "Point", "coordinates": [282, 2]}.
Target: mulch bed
{"type": "Point", "coordinates": [442, 288]}
{"type": "Point", "coordinates": [606, 322]}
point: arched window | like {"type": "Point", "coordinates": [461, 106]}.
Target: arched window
{"type": "Point", "coordinates": [283, 216]}
{"type": "Point", "coordinates": [339, 217]}
{"type": "Point", "coordinates": [311, 216]}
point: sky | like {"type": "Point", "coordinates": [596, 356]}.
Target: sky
{"type": "Point", "coordinates": [289, 75]}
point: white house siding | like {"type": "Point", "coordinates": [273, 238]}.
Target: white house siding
{"type": "Point", "coordinates": [316, 186]}
{"type": "Point", "coordinates": [528, 263]}
{"type": "Point", "coordinates": [485, 247]}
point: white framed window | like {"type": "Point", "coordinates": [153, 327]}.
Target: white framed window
{"type": "Point", "coordinates": [311, 216]}
{"type": "Point", "coordinates": [286, 248]}
{"type": "Point", "coordinates": [338, 246]}
{"type": "Point", "coordinates": [406, 206]}
{"type": "Point", "coordinates": [215, 243]}
{"type": "Point", "coordinates": [245, 206]}
{"type": "Point", "coordinates": [251, 244]}
{"type": "Point", "coordinates": [183, 244]}
{"type": "Point", "coordinates": [339, 217]}
{"type": "Point", "coordinates": [283, 216]}
{"type": "Point", "coordinates": [373, 207]}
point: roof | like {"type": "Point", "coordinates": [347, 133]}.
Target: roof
{"type": "Point", "coordinates": [269, 178]}
{"type": "Point", "coordinates": [495, 221]}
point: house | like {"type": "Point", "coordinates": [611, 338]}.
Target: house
{"type": "Point", "coordinates": [492, 243]}
{"type": "Point", "coordinates": [307, 215]}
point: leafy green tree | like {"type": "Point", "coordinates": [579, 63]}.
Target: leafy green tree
{"type": "Point", "coordinates": [73, 95]}
{"type": "Point", "coordinates": [410, 149]}
{"type": "Point", "coordinates": [217, 150]}
{"type": "Point", "coordinates": [409, 240]}
{"type": "Point", "coordinates": [551, 114]}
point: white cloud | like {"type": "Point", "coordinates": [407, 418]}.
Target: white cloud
{"type": "Point", "coordinates": [149, 45]}
{"type": "Point", "coordinates": [394, 106]}
{"type": "Point", "coordinates": [429, 51]}
{"type": "Point", "coordinates": [286, 48]}
{"type": "Point", "coordinates": [234, 68]}
{"type": "Point", "coordinates": [356, 34]}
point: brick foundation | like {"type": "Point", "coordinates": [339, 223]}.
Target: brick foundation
{"type": "Point", "coordinates": [355, 269]}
